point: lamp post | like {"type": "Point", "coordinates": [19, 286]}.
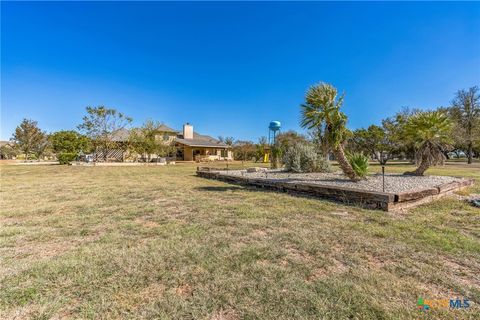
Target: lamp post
{"type": "Point", "coordinates": [383, 162]}
{"type": "Point", "coordinates": [383, 177]}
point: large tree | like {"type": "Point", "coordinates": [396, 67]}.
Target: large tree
{"type": "Point", "coordinates": [321, 110]}
{"type": "Point", "coordinates": [374, 141]}
{"type": "Point", "coordinates": [244, 150]}
{"type": "Point", "coordinates": [394, 129]}
{"type": "Point", "coordinates": [100, 124]}
{"type": "Point", "coordinates": [43, 147]}
{"type": "Point", "coordinates": [290, 138]}
{"type": "Point", "coordinates": [227, 140]}
{"type": "Point", "coordinates": [69, 141]}
{"type": "Point", "coordinates": [465, 111]}
{"type": "Point", "coordinates": [430, 132]}
{"type": "Point", "coordinates": [28, 137]}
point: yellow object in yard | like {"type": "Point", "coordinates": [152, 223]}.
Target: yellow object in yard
{"type": "Point", "coordinates": [265, 158]}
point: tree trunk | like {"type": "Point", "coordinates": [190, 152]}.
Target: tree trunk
{"type": "Point", "coordinates": [470, 152]}
{"type": "Point", "coordinates": [344, 164]}
{"type": "Point", "coordinates": [423, 166]}
{"type": "Point", "coordinates": [445, 153]}
{"type": "Point", "coordinates": [326, 151]}
{"type": "Point", "coordinates": [103, 150]}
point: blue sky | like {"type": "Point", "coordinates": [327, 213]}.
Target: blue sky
{"type": "Point", "coordinates": [230, 68]}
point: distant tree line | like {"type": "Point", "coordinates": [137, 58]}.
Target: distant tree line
{"type": "Point", "coordinates": [96, 133]}
{"type": "Point", "coordinates": [425, 138]}
{"type": "Point", "coordinates": [412, 134]}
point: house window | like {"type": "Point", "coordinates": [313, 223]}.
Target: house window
{"type": "Point", "coordinates": [179, 153]}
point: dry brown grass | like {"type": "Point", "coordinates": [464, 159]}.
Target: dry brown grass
{"type": "Point", "coordinates": [158, 242]}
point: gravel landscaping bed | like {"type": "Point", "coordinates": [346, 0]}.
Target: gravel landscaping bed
{"type": "Point", "coordinates": [394, 183]}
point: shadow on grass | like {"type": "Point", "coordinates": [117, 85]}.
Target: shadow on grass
{"type": "Point", "coordinates": [303, 195]}
{"type": "Point", "coordinates": [226, 188]}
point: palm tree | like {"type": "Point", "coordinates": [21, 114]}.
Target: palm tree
{"type": "Point", "coordinates": [430, 131]}
{"type": "Point", "coordinates": [321, 111]}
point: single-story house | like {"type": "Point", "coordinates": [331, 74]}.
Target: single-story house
{"type": "Point", "coordinates": [189, 145]}
{"type": "Point", "coordinates": [194, 146]}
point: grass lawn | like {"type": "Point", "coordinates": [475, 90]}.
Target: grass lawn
{"type": "Point", "coordinates": [160, 243]}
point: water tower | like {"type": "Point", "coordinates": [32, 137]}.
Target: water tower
{"type": "Point", "coordinates": [273, 127]}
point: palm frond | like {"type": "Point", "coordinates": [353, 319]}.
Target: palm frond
{"type": "Point", "coordinates": [322, 109]}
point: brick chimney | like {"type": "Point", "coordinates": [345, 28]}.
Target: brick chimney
{"type": "Point", "coordinates": [187, 131]}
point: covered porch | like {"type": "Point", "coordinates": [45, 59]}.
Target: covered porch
{"type": "Point", "coordinates": [202, 153]}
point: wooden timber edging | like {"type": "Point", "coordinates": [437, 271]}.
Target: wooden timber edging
{"type": "Point", "coordinates": [410, 199]}
{"type": "Point", "coordinates": [365, 198]}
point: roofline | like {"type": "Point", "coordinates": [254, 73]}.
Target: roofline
{"type": "Point", "coordinates": [205, 146]}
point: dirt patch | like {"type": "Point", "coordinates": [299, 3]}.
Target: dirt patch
{"type": "Point", "coordinates": [434, 291]}
{"type": "Point", "coordinates": [339, 266]}
{"type": "Point", "coordinates": [463, 273]}
{"type": "Point", "coordinates": [375, 262]}
{"type": "Point", "coordinates": [227, 314]}
{"type": "Point", "coordinates": [131, 299]}
{"type": "Point", "coordinates": [146, 222]}
{"type": "Point", "coordinates": [30, 311]}
{"type": "Point", "coordinates": [299, 255]}
{"type": "Point", "coordinates": [153, 291]}
{"type": "Point", "coordinates": [336, 267]}
{"type": "Point", "coordinates": [257, 233]}
{"type": "Point", "coordinates": [184, 290]}
{"type": "Point", "coordinates": [318, 274]}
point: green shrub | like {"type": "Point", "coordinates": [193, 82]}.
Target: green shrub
{"type": "Point", "coordinates": [276, 155]}
{"type": "Point", "coordinates": [292, 159]}
{"type": "Point", "coordinates": [359, 163]}
{"type": "Point", "coordinates": [304, 158]}
{"type": "Point", "coordinates": [66, 157]}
